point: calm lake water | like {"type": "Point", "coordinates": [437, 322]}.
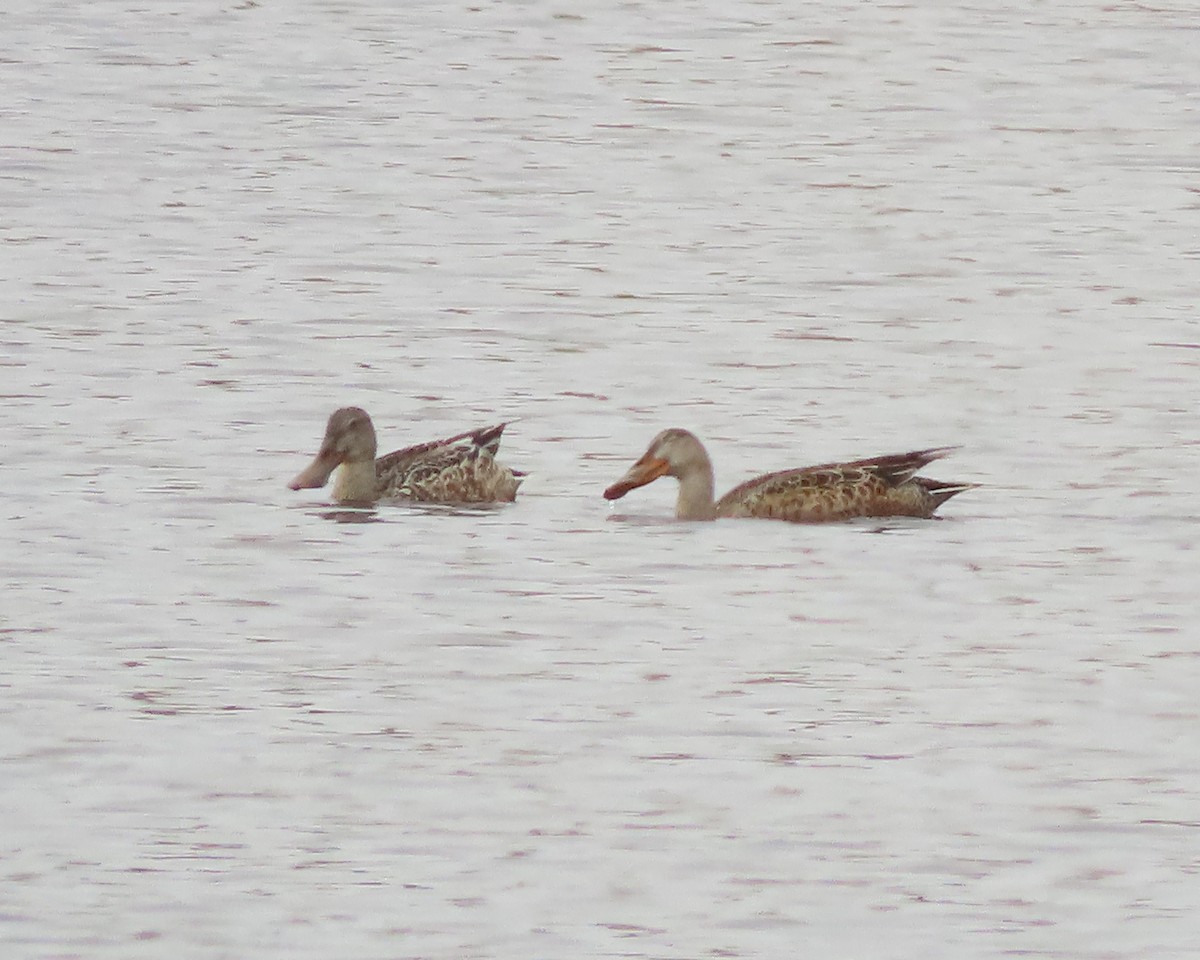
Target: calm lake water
{"type": "Point", "coordinates": [235, 722]}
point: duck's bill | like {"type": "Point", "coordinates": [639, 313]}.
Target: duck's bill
{"type": "Point", "coordinates": [645, 471]}
{"type": "Point", "coordinates": [316, 474]}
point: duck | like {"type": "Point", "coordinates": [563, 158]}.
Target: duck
{"type": "Point", "coordinates": [884, 486]}
{"type": "Point", "coordinates": [458, 469]}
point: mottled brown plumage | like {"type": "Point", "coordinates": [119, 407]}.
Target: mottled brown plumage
{"type": "Point", "coordinates": [875, 487]}
{"type": "Point", "coordinates": [459, 469]}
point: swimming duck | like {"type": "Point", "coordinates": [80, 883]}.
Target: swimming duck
{"type": "Point", "coordinates": [459, 469]}
{"type": "Point", "coordinates": [877, 487]}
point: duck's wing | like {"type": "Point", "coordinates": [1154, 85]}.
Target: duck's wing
{"type": "Point", "coordinates": [873, 487]}
{"type": "Point", "coordinates": [458, 469]}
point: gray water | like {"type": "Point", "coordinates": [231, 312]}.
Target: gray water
{"type": "Point", "coordinates": [236, 722]}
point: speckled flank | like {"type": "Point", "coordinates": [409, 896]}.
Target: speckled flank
{"type": "Point", "coordinates": [451, 475]}
{"type": "Point", "coordinates": [884, 487]}
{"type": "Point", "coordinates": [828, 495]}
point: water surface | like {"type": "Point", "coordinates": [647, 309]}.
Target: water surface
{"type": "Point", "coordinates": [239, 722]}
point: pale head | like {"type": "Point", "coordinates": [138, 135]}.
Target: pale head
{"type": "Point", "coordinates": [349, 438]}
{"type": "Point", "coordinates": [673, 453]}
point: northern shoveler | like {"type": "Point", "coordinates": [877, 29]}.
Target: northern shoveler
{"type": "Point", "coordinates": [459, 469]}
{"type": "Point", "coordinates": [876, 487]}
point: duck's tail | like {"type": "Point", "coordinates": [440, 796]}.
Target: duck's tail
{"type": "Point", "coordinates": [941, 492]}
{"type": "Point", "coordinates": [487, 439]}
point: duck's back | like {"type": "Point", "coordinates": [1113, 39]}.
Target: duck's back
{"type": "Point", "coordinates": [459, 469]}
{"type": "Point", "coordinates": [875, 487]}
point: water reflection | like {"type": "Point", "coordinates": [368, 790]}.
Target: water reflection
{"type": "Point", "coordinates": [349, 515]}
{"type": "Point", "coordinates": [383, 511]}
{"type": "Point", "coordinates": [649, 520]}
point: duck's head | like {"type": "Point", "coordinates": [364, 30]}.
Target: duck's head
{"type": "Point", "coordinates": [349, 438]}
{"type": "Point", "coordinates": [673, 453]}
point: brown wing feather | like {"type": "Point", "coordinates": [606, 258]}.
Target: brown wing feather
{"type": "Point", "coordinates": [458, 469]}
{"type": "Point", "coordinates": [485, 438]}
{"type": "Point", "coordinates": [874, 487]}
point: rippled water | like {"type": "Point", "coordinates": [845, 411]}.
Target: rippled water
{"type": "Point", "coordinates": [235, 724]}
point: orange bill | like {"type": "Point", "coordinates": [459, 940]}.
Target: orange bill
{"type": "Point", "coordinates": [645, 471]}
